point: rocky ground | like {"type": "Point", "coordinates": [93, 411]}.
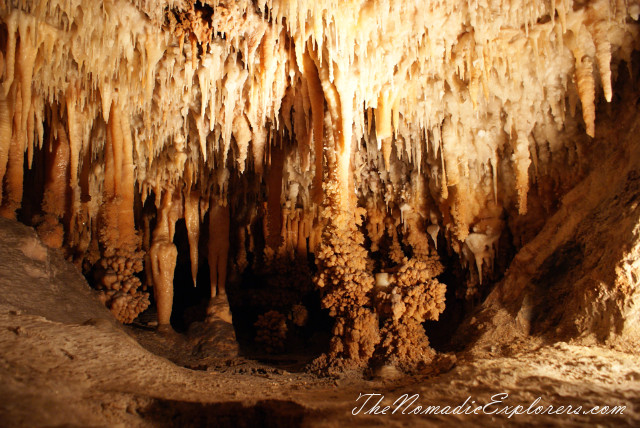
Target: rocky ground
{"type": "Point", "coordinates": [65, 362]}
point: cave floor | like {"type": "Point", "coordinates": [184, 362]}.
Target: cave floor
{"type": "Point", "coordinates": [64, 361]}
{"type": "Point", "coordinates": [95, 374]}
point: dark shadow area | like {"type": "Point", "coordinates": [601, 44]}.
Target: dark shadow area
{"type": "Point", "coordinates": [189, 299]}
{"type": "Point", "coordinates": [183, 414]}
{"type": "Point", "coordinates": [283, 291]}
{"type": "Point", "coordinates": [553, 285]}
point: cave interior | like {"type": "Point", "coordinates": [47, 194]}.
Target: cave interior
{"type": "Point", "coordinates": [361, 194]}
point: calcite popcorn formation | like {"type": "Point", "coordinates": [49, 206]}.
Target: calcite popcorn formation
{"type": "Point", "coordinates": [288, 123]}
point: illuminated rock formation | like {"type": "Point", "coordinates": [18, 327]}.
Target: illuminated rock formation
{"type": "Point", "coordinates": [353, 132]}
{"type": "Point", "coordinates": [163, 255]}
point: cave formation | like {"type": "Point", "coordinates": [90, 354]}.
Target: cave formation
{"type": "Point", "coordinates": [390, 186]}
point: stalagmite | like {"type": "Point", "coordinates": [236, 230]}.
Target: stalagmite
{"type": "Point", "coordinates": [57, 190]}
{"type": "Point", "coordinates": [163, 255]}
{"type": "Point", "coordinates": [219, 219]}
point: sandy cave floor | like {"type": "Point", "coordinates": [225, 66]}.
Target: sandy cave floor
{"type": "Point", "coordinates": [65, 362]}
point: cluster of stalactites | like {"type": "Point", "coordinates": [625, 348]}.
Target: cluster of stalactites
{"type": "Point", "coordinates": [179, 97]}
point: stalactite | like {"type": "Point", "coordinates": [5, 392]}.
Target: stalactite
{"type": "Point", "coordinates": [75, 136]}
{"type": "Point", "coordinates": [192, 220]}
{"type": "Point", "coordinates": [586, 90]}
{"type": "Point", "coordinates": [27, 50]}
{"type": "Point", "coordinates": [316, 97]}
{"type": "Point", "coordinates": [345, 90]}
{"type": "Point", "coordinates": [584, 82]}
{"type": "Point", "coordinates": [450, 142]}
{"type": "Point", "coordinates": [339, 106]}
{"type": "Point", "coordinates": [6, 115]}
{"type": "Point", "coordinates": [242, 135]}
{"type": "Point", "coordinates": [599, 24]}
{"type": "Point", "coordinates": [119, 231]}
{"type": "Point", "coordinates": [383, 126]}
{"type": "Point", "coordinates": [521, 153]}
{"type": "Point", "coordinates": [12, 26]}
{"type": "Point", "coordinates": [154, 50]}
{"type": "Point", "coordinates": [126, 222]}
{"type": "Point", "coordinates": [12, 195]}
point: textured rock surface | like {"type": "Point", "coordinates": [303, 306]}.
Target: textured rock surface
{"type": "Point", "coordinates": [72, 366]}
{"type": "Point", "coordinates": [578, 278]}
{"type": "Point", "coordinates": [38, 280]}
